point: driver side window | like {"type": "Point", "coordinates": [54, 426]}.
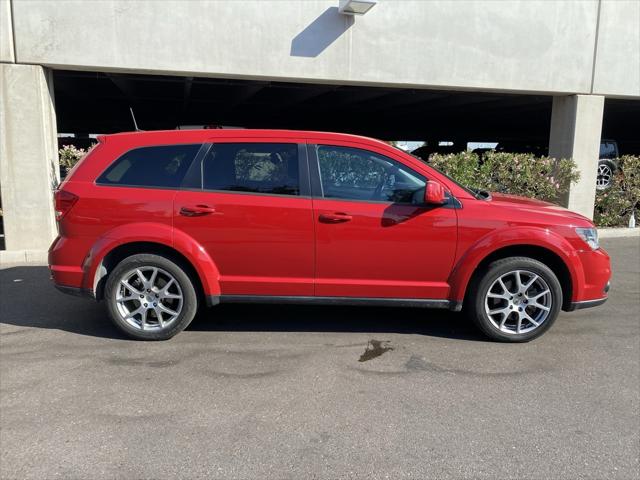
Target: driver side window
{"type": "Point", "coordinates": [356, 174]}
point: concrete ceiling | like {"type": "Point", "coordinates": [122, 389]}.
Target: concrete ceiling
{"type": "Point", "coordinates": [95, 102]}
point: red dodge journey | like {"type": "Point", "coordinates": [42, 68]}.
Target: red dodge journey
{"type": "Point", "coordinates": [158, 223]}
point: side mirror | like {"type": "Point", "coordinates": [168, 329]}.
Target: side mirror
{"type": "Point", "coordinates": [434, 194]}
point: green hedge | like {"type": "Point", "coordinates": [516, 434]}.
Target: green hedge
{"type": "Point", "coordinates": [546, 179]}
{"type": "Point", "coordinates": [515, 173]}
{"type": "Point", "coordinates": [615, 205]}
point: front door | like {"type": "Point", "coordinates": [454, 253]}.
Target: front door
{"type": "Point", "coordinates": [374, 235]}
{"type": "Point", "coordinates": [248, 205]}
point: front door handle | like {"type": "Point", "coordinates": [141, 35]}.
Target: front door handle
{"type": "Point", "coordinates": [338, 217]}
{"type": "Point", "coordinates": [196, 210]}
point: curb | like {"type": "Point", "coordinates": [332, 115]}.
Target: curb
{"type": "Point", "coordinates": [23, 257]}
{"type": "Point", "coordinates": [618, 232]}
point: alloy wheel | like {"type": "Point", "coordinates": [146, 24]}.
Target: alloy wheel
{"type": "Point", "coordinates": [149, 298]}
{"type": "Point", "coordinates": [518, 302]}
{"type": "Point", "coordinates": [605, 175]}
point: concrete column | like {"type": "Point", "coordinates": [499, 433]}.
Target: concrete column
{"type": "Point", "coordinates": [29, 169]}
{"type": "Point", "coordinates": [576, 127]}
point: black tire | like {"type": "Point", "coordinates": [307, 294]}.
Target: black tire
{"type": "Point", "coordinates": [185, 284]}
{"type": "Point", "coordinates": [479, 288]}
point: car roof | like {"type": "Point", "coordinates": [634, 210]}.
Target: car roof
{"type": "Point", "coordinates": [203, 135]}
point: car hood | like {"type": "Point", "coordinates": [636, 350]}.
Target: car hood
{"type": "Point", "coordinates": [538, 206]}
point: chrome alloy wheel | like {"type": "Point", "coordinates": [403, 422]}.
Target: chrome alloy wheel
{"type": "Point", "coordinates": [605, 176]}
{"type": "Point", "coordinates": [149, 298]}
{"type": "Point", "coordinates": [518, 302]}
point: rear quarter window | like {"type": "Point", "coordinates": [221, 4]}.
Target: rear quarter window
{"type": "Point", "coordinates": [157, 166]}
{"type": "Point", "coordinates": [270, 168]}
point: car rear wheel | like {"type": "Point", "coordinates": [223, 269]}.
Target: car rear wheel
{"type": "Point", "coordinates": [516, 299]}
{"type": "Point", "coordinates": [150, 297]}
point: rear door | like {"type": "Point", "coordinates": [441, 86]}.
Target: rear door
{"type": "Point", "coordinates": [374, 235]}
{"type": "Point", "coordinates": [248, 204]}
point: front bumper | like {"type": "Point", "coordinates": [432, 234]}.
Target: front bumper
{"type": "Point", "coordinates": [586, 304]}
{"type": "Point", "coordinates": [592, 290]}
{"type": "Point", "coordinates": [590, 303]}
{"type": "Point", "coordinates": [596, 282]}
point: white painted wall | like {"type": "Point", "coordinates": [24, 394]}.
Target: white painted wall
{"type": "Point", "coordinates": [508, 45]}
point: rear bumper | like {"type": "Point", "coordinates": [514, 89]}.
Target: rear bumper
{"type": "Point", "coordinates": [65, 262]}
{"type": "Point", "coordinates": [75, 291]}
{"type": "Point", "coordinates": [67, 274]}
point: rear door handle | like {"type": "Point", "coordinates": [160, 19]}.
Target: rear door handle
{"type": "Point", "coordinates": [196, 210]}
{"type": "Point", "coordinates": [337, 217]}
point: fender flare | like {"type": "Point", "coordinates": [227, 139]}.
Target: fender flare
{"type": "Point", "coordinates": [150, 232]}
{"type": "Point", "coordinates": [467, 264]}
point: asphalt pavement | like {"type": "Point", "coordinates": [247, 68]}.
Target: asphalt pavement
{"type": "Point", "coordinates": [317, 392]}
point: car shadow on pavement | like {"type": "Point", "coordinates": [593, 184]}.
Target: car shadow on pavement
{"type": "Point", "coordinates": [318, 318]}
{"type": "Point", "coordinates": [29, 299]}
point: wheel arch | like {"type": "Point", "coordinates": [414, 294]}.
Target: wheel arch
{"type": "Point", "coordinates": [160, 239]}
{"type": "Point", "coordinates": [119, 253]}
{"type": "Point", "coordinates": [543, 255]}
{"type": "Point", "coordinates": [548, 248]}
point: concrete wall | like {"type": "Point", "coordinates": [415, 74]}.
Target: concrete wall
{"type": "Point", "coordinates": [6, 32]}
{"type": "Point", "coordinates": [28, 156]}
{"type": "Point", "coordinates": [529, 45]}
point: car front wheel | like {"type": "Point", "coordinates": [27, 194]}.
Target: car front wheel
{"type": "Point", "coordinates": [516, 299]}
{"type": "Point", "coordinates": [150, 297]}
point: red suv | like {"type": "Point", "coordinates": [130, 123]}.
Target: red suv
{"type": "Point", "coordinates": [158, 223]}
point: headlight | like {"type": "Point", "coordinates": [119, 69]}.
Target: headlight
{"type": "Point", "coordinates": [590, 236]}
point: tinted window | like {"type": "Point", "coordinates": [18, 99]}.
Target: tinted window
{"type": "Point", "coordinates": [608, 150]}
{"type": "Point", "coordinates": [151, 166]}
{"type": "Point", "coordinates": [355, 174]}
{"type": "Point", "coordinates": [252, 167]}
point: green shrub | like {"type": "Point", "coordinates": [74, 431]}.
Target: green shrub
{"type": "Point", "coordinates": [515, 173]}
{"type": "Point", "coordinates": [463, 167]}
{"type": "Point", "coordinates": [615, 205]}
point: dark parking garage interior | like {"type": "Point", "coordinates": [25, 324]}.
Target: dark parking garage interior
{"type": "Point", "coordinates": [97, 102]}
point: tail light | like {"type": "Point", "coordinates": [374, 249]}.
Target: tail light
{"type": "Point", "coordinates": [64, 201]}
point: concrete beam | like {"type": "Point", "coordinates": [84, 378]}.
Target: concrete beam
{"type": "Point", "coordinates": [435, 44]}
{"type": "Point", "coordinates": [576, 127]}
{"type": "Point", "coordinates": [29, 169]}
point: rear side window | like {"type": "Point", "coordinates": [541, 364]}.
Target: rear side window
{"type": "Point", "coordinates": [252, 167]}
{"type": "Point", "coordinates": [161, 167]}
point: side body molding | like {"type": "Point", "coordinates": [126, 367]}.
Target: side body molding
{"type": "Point", "coordinates": [468, 262]}
{"type": "Point", "coordinates": [147, 232]}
